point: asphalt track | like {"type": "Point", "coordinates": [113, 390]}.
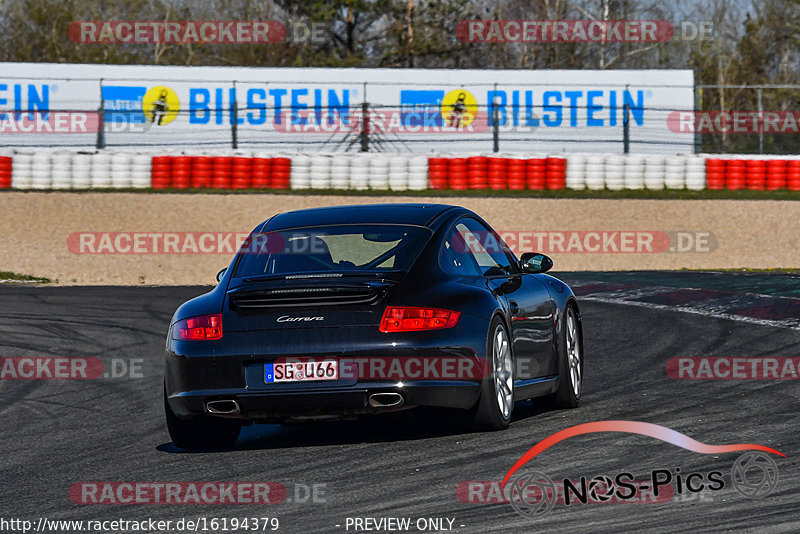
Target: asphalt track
{"type": "Point", "coordinates": [59, 432]}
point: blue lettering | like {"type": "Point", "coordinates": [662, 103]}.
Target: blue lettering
{"type": "Point", "coordinates": [277, 99]}
{"type": "Point", "coordinates": [530, 119]}
{"type": "Point", "coordinates": [637, 108]}
{"type": "Point", "coordinates": [17, 101]}
{"type": "Point", "coordinates": [37, 102]}
{"type": "Point", "coordinates": [297, 105]}
{"type": "Point", "coordinates": [548, 121]}
{"type": "Point", "coordinates": [591, 108]}
{"type": "Point", "coordinates": [198, 106]}
{"type": "Point", "coordinates": [612, 109]}
{"type": "Point", "coordinates": [341, 107]}
{"type": "Point", "coordinates": [515, 108]}
{"type": "Point", "coordinates": [318, 107]}
{"type": "Point", "coordinates": [218, 105]}
{"type": "Point", "coordinates": [261, 106]}
{"type": "Point", "coordinates": [502, 115]}
{"type": "Point", "coordinates": [3, 101]}
{"type": "Point", "coordinates": [573, 97]}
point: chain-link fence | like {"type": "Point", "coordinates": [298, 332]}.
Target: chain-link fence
{"type": "Point", "coordinates": [750, 119]}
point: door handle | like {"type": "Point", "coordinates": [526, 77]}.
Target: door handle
{"type": "Point", "coordinates": [514, 307]}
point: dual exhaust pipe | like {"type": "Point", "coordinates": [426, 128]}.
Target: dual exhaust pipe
{"type": "Point", "coordinates": [386, 400]}
{"type": "Point", "coordinates": [376, 400]}
{"type": "Point", "coordinates": [223, 407]}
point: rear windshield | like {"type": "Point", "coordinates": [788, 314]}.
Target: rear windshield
{"type": "Point", "coordinates": [332, 248]}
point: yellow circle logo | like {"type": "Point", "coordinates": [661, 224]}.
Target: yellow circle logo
{"type": "Point", "coordinates": [459, 108]}
{"type": "Point", "coordinates": [160, 105]}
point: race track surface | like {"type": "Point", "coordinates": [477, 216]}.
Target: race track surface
{"type": "Point", "coordinates": [56, 433]}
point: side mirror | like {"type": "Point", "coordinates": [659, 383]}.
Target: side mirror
{"type": "Point", "coordinates": [532, 262]}
{"type": "Point", "coordinates": [221, 273]}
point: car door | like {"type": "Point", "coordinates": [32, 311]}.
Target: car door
{"type": "Point", "coordinates": [525, 297]}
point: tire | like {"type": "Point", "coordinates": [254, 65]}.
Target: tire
{"type": "Point", "coordinates": [570, 362]}
{"type": "Point", "coordinates": [493, 411]}
{"type": "Point", "coordinates": [201, 433]}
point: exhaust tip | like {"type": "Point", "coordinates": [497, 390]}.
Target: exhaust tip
{"type": "Point", "coordinates": [223, 407]}
{"type": "Point", "coordinates": [386, 400]}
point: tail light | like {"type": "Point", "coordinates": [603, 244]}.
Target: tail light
{"type": "Point", "coordinates": [404, 319]}
{"type": "Point", "coordinates": [198, 328]}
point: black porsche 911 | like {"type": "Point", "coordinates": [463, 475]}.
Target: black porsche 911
{"type": "Point", "coordinates": [341, 311]}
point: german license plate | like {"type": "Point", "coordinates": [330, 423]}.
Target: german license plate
{"type": "Point", "coordinates": [304, 371]}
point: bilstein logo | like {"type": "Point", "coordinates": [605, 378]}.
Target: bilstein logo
{"type": "Point", "coordinates": [533, 494]}
{"type": "Point", "coordinates": [160, 105]}
{"type": "Point", "coordinates": [459, 108]}
{"type": "Point", "coordinates": [137, 108]}
{"type": "Point", "coordinates": [287, 319]}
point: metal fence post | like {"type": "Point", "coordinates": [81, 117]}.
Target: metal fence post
{"type": "Point", "coordinates": [101, 124]}
{"type": "Point", "coordinates": [234, 119]}
{"type": "Point", "coordinates": [698, 108]}
{"type": "Point", "coordinates": [495, 121]}
{"type": "Point", "coordinates": [760, 122]}
{"type": "Point", "coordinates": [364, 135]}
{"type": "Point", "coordinates": [626, 128]}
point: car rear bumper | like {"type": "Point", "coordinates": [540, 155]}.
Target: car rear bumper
{"type": "Point", "coordinates": [233, 369]}
{"type": "Point", "coordinates": [353, 400]}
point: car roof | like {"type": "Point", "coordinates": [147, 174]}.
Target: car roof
{"type": "Point", "coordinates": [416, 214]}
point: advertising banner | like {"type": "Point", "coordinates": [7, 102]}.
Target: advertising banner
{"type": "Point", "coordinates": [323, 110]}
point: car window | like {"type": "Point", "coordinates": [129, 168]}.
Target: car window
{"type": "Point", "coordinates": [488, 249]}
{"type": "Point", "coordinates": [472, 249]}
{"type": "Point", "coordinates": [332, 248]}
{"type": "Point", "coordinates": [455, 256]}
